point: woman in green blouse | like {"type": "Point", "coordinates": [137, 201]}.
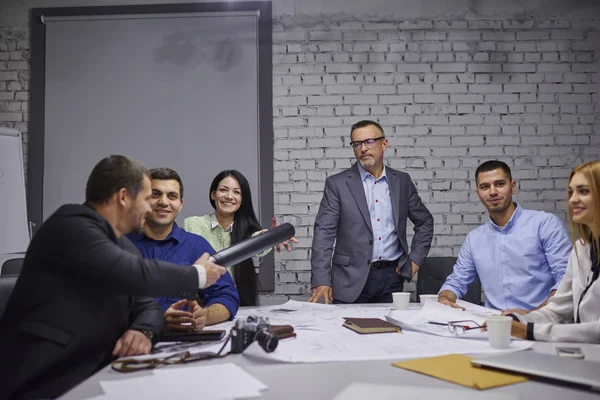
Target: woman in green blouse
{"type": "Point", "coordinates": [233, 221]}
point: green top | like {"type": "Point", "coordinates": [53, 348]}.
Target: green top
{"type": "Point", "coordinates": [209, 228]}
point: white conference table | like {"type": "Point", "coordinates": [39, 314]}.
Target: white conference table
{"type": "Point", "coordinates": [318, 381]}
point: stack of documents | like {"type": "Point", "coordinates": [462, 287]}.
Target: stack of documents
{"type": "Point", "coordinates": [208, 382]}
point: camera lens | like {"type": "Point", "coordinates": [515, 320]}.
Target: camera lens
{"type": "Point", "coordinates": [267, 341]}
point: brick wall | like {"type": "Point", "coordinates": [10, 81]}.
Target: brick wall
{"type": "Point", "coordinates": [14, 81]}
{"type": "Point", "coordinates": [449, 94]}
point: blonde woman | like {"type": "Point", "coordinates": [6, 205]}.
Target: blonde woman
{"type": "Point", "coordinates": [578, 296]}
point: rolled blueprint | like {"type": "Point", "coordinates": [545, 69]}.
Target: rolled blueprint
{"type": "Point", "coordinates": [252, 246]}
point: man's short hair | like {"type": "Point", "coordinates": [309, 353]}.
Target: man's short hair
{"type": "Point", "coordinates": [492, 165]}
{"type": "Point", "coordinates": [366, 122]}
{"type": "Point", "coordinates": [112, 174]}
{"type": "Point", "coordinates": [167, 174]}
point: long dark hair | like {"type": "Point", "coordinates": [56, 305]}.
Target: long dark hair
{"type": "Point", "coordinates": [245, 224]}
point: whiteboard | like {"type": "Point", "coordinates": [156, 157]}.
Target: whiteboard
{"type": "Point", "coordinates": [14, 228]}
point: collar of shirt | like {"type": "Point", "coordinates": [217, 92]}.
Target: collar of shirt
{"type": "Point", "coordinates": [513, 219]}
{"type": "Point", "coordinates": [176, 234]}
{"type": "Point", "coordinates": [214, 224]}
{"type": "Point", "coordinates": [364, 174]}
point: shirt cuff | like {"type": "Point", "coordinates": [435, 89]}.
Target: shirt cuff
{"type": "Point", "coordinates": [259, 232]}
{"type": "Point", "coordinates": [201, 275]}
{"type": "Point", "coordinates": [450, 289]}
{"type": "Point", "coordinates": [530, 335]}
{"type": "Point", "coordinates": [229, 303]}
{"type": "Point", "coordinates": [264, 252]}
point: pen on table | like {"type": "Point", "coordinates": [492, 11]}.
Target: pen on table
{"type": "Point", "coordinates": [437, 323]}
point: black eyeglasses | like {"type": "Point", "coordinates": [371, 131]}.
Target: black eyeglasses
{"type": "Point", "coordinates": [368, 142]}
{"type": "Point", "coordinates": [132, 365]}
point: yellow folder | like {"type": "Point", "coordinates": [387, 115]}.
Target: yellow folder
{"type": "Point", "coordinates": [457, 368]}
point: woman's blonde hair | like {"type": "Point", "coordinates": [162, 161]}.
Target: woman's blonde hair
{"type": "Point", "coordinates": [591, 171]}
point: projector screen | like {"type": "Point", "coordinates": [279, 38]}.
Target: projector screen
{"type": "Point", "coordinates": [183, 89]}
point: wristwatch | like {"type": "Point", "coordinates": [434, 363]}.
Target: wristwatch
{"type": "Point", "coordinates": [149, 334]}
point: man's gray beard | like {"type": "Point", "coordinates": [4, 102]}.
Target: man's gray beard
{"type": "Point", "coordinates": [362, 164]}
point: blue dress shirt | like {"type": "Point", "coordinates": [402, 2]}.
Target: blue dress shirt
{"type": "Point", "coordinates": [184, 248]}
{"type": "Point", "coordinates": [518, 264]}
{"type": "Point", "coordinates": [386, 245]}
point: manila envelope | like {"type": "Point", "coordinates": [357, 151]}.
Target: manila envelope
{"type": "Point", "coordinates": [457, 368]}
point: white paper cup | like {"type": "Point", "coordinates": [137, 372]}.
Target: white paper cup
{"type": "Point", "coordinates": [424, 297]}
{"type": "Point", "coordinates": [499, 331]}
{"type": "Point", "coordinates": [401, 300]}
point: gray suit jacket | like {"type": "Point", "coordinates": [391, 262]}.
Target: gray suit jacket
{"type": "Point", "coordinates": [343, 218]}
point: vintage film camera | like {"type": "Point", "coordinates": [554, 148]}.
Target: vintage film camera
{"type": "Point", "coordinates": [252, 329]}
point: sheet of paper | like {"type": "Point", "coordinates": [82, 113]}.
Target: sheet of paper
{"type": "Point", "coordinates": [477, 310]}
{"type": "Point", "coordinates": [362, 391]}
{"type": "Point", "coordinates": [171, 349]}
{"type": "Point", "coordinates": [322, 338]}
{"type": "Point", "coordinates": [162, 348]}
{"type": "Point", "coordinates": [311, 316]}
{"type": "Point", "coordinates": [436, 312]}
{"type": "Point", "coordinates": [342, 344]}
{"type": "Point", "coordinates": [173, 382]}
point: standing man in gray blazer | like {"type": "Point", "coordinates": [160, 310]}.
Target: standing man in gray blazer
{"type": "Point", "coordinates": [364, 211]}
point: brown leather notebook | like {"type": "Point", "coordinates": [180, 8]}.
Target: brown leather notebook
{"type": "Point", "coordinates": [370, 325]}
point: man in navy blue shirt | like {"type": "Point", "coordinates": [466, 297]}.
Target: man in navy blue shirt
{"type": "Point", "coordinates": [164, 240]}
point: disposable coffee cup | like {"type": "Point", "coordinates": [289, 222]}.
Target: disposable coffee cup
{"type": "Point", "coordinates": [498, 328]}
{"type": "Point", "coordinates": [401, 300]}
{"type": "Point", "coordinates": [424, 297]}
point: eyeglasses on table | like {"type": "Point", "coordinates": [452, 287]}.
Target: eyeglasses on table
{"type": "Point", "coordinates": [458, 327]}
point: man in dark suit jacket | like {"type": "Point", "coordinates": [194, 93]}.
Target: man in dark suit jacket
{"type": "Point", "coordinates": [364, 211]}
{"type": "Point", "coordinates": [80, 299]}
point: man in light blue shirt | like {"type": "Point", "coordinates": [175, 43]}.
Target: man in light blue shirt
{"type": "Point", "coordinates": [519, 255]}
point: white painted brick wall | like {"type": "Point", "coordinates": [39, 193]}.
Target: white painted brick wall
{"type": "Point", "coordinates": [14, 82]}
{"type": "Point", "coordinates": [450, 94]}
